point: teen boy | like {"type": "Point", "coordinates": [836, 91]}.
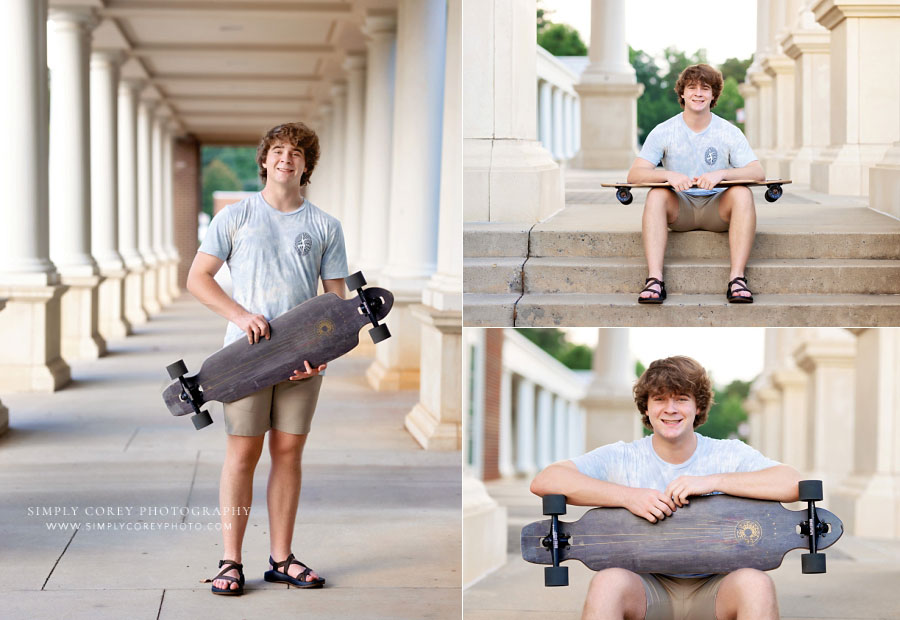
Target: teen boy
{"type": "Point", "coordinates": [654, 476]}
{"type": "Point", "coordinates": [697, 147]}
{"type": "Point", "coordinates": [277, 245]}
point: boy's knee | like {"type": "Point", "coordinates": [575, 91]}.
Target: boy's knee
{"type": "Point", "coordinates": [753, 583]}
{"type": "Point", "coordinates": [615, 583]}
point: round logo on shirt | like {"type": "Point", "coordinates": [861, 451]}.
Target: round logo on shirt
{"type": "Point", "coordinates": [711, 156]}
{"type": "Point", "coordinates": [303, 244]}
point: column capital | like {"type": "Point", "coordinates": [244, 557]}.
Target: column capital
{"type": "Point", "coordinates": [830, 13]}
{"type": "Point", "coordinates": [760, 79]}
{"type": "Point", "coordinates": [111, 58]}
{"type": "Point", "coordinates": [354, 61]}
{"type": "Point", "coordinates": [778, 65]}
{"type": "Point", "coordinates": [379, 24]}
{"type": "Point", "coordinates": [806, 42]}
{"type": "Point", "coordinates": [133, 84]}
{"type": "Point", "coordinates": [811, 355]}
{"type": "Point", "coordinates": [85, 17]}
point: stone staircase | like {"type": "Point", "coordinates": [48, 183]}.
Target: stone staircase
{"type": "Point", "coordinates": [817, 260]}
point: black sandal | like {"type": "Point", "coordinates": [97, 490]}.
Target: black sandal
{"type": "Point", "coordinates": [229, 565]}
{"type": "Point", "coordinates": [649, 282]}
{"type": "Point", "coordinates": [738, 299]}
{"type": "Point", "coordinates": [277, 576]}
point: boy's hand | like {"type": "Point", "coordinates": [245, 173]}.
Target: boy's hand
{"type": "Point", "coordinates": [649, 504]}
{"type": "Point", "coordinates": [310, 372]}
{"type": "Point", "coordinates": [678, 181]}
{"type": "Point", "coordinates": [710, 179]}
{"type": "Point", "coordinates": [684, 486]}
{"type": "Point", "coordinates": [254, 325]}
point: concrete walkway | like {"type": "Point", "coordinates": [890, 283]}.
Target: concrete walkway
{"type": "Point", "coordinates": [861, 582]}
{"type": "Point", "coordinates": [379, 517]}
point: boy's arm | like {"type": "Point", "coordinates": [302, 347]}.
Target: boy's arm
{"type": "Point", "coordinates": [335, 286]}
{"type": "Point", "coordinates": [779, 483]}
{"type": "Point", "coordinates": [643, 171]}
{"type": "Point", "coordinates": [581, 490]}
{"type": "Point", "coordinates": [751, 172]}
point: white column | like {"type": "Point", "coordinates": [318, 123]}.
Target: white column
{"type": "Point", "coordinates": [781, 69]}
{"type": "Point", "coordinates": [608, 90]}
{"type": "Point", "coordinates": [160, 120]}
{"type": "Point", "coordinates": [169, 209]}
{"type": "Point", "coordinates": [865, 89]}
{"type": "Point", "coordinates": [576, 443]}
{"type": "Point", "coordinates": [568, 126]}
{"type": "Point", "coordinates": [104, 192]}
{"type": "Point", "coordinates": [438, 415]}
{"type": "Point", "coordinates": [505, 457]}
{"type": "Point", "coordinates": [381, 42]}
{"type": "Point", "coordinates": [415, 185]}
{"type": "Point", "coordinates": [70, 191]}
{"type": "Point", "coordinates": [609, 406]}
{"type": "Point", "coordinates": [129, 90]}
{"type": "Point", "coordinates": [319, 189]}
{"type": "Point", "coordinates": [545, 427]}
{"type": "Point", "coordinates": [336, 145]}
{"type": "Point", "coordinates": [355, 65]}
{"type": "Point", "coordinates": [508, 175]}
{"type": "Point", "coordinates": [559, 150]}
{"type": "Point", "coordinates": [560, 429]}
{"type": "Point", "coordinates": [525, 453]}
{"type": "Point", "coordinates": [29, 358]}
{"type": "Point", "coordinates": [145, 203]}
{"type": "Point", "coordinates": [545, 115]}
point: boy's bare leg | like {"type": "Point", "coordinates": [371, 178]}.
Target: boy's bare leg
{"type": "Point", "coordinates": [737, 208]}
{"type": "Point", "coordinates": [236, 495]}
{"type": "Point", "coordinates": [660, 210]}
{"type": "Point", "coordinates": [747, 593]}
{"type": "Point", "coordinates": [283, 494]}
{"type": "Point", "coordinates": [615, 593]}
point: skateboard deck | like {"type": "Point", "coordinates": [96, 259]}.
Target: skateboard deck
{"type": "Point", "coordinates": [319, 330]}
{"type": "Point", "coordinates": [773, 193]}
{"type": "Point", "coordinates": [711, 534]}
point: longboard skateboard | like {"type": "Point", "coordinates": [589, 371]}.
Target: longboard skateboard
{"type": "Point", "coordinates": [773, 191]}
{"type": "Point", "coordinates": [318, 330]}
{"type": "Point", "coordinates": [711, 534]}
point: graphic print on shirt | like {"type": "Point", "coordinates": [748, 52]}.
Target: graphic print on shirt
{"type": "Point", "coordinates": [303, 243]}
{"type": "Point", "coordinates": [711, 156]}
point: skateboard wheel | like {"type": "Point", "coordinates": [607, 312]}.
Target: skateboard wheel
{"type": "Point", "coordinates": [773, 193]}
{"type": "Point", "coordinates": [556, 576]}
{"type": "Point", "coordinates": [201, 420]}
{"type": "Point", "coordinates": [812, 563]}
{"type": "Point", "coordinates": [554, 504]}
{"type": "Point", "coordinates": [176, 370]}
{"type": "Point", "coordinates": [355, 281]}
{"type": "Point", "coordinates": [379, 333]}
{"type": "Point", "coordinates": [810, 490]}
{"type": "Point", "coordinates": [624, 196]}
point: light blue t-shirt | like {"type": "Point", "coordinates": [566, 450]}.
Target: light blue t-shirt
{"type": "Point", "coordinates": [275, 258]}
{"type": "Point", "coordinates": [721, 145]}
{"type": "Point", "coordinates": [637, 465]}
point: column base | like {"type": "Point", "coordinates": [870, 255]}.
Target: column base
{"type": "Point", "coordinates": [608, 125]}
{"type": "Point", "coordinates": [484, 532]}
{"type": "Point", "coordinates": [174, 286]}
{"type": "Point", "coordinates": [884, 183]}
{"type": "Point", "coordinates": [609, 419]}
{"type": "Point", "coordinates": [383, 378]}
{"type": "Point", "coordinates": [134, 294]}
{"type": "Point", "coordinates": [396, 365]}
{"type": "Point", "coordinates": [869, 505]}
{"type": "Point", "coordinates": [797, 166]}
{"type": "Point", "coordinates": [365, 348]}
{"type": "Point", "coordinates": [163, 285]}
{"type": "Point", "coordinates": [151, 301]}
{"type": "Point", "coordinates": [112, 322]}
{"type": "Point", "coordinates": [844, 170]}
{"type": "Point", "coordinates": [79, 308]}
{"type": "Point", "coordinates": [436, 420]}
{"type": "Point", "coordinates": [30, 330]}
{"type": "Point", "coordinates": [510, 181]}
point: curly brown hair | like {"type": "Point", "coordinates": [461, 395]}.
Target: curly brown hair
{"type": "Point", "coordinates": [675, 375]}
{"type": "Point", "coordinates": [703, 74]}
{"type": "Point", "coordinates": [296, 134]}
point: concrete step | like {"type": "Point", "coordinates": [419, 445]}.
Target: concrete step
{"type": "Point", "coordinates": [495, 239]}
{"type": "Point", "coordinates": [554, 310]}
{"type": "Point", "coordinates": [493, 275]}
{"type": "Point", "coordinates": [693, 276]}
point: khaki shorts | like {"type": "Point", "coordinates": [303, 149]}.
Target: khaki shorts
{"type": "Point", "coordinates": [287, 406]}
{"type": "Point", "coordinates": [679, 598]}
{"type": "Point", "coordinates": [698, 213]}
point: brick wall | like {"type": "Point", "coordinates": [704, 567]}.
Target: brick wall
{"type": "Point", "coordinates": [186, 196]}
{"type": "Point", "coordinates": [493, 375]}
{"type": "Point", "coordinates": [222, 199]}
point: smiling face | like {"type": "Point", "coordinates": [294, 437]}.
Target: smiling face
{"type": "Point", "coordinates": [697, 96]}
{"type": "Point", "coordinates": [285, 164]}
{"type": "Point", "coordinates": [672, 415]}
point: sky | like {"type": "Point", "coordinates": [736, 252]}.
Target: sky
{"type": "Point", "coordinates": [729, 353]}
{"type": "Point", "coordinates": [687, 24]}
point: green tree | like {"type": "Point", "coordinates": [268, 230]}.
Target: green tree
{"type": "Point", "coordinates": [241, 161]}
{"type": "Point", "coordinates": [729, 102]}
{"type": "Point", "coordinates": [561, 40]}
{"type": "Point", "coordinates": [736, 68]}
{"type": "Point", "coordinates": [553, 342]}
{"type": "Point", "coordinates": [217, 176]}
{"type": "Point", "coordinates": [727, 414]}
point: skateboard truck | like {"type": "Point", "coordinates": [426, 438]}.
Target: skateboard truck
{"type": "Point", "coordinates": [556, 575]}
{"type": "Point", "coordinates": [368, 307]}
{"type": "Point", "coordinates": [190, 393]}
{"type": "Point", "coordinates": [811, 492]}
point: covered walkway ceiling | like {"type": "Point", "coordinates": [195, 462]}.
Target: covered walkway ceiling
{"type": "Point", "coordinates": [230, 69]}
